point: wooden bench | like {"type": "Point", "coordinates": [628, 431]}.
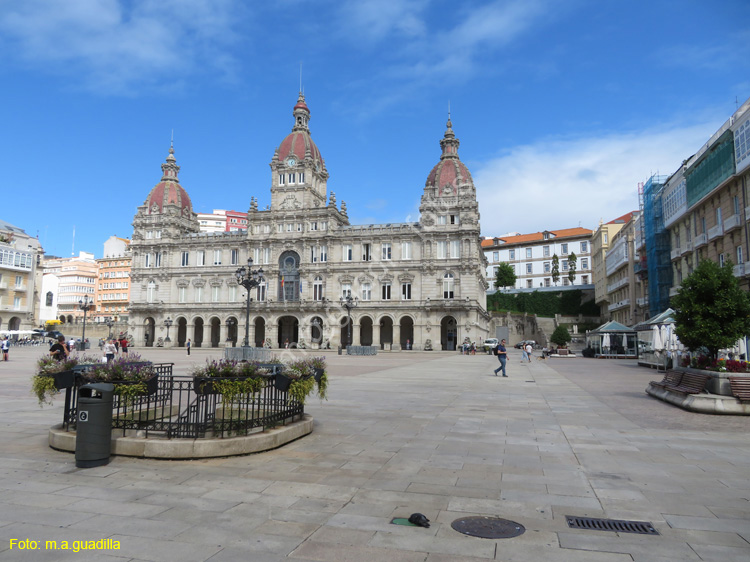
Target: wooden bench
{"type": "Point", "coordinates": [690, 383]}
{"type": "Point", "coordinates": [740, 388]}
{"type": "Point", "coordinates": [671, 378]}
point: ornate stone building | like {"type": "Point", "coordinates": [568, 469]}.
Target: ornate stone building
{"type": "Point", "coordinates": [413, 282]}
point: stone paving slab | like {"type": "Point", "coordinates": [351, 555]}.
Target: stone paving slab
{"type": "Point", "coordinates": [400, 433]}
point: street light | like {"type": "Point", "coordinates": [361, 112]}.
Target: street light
{"type": "Point", "coordinates": [85, 304]}
{"type": "Point", "coordinates": [248, 278]}
{"type": "Point", "coordinates": [168, 322]}
{"type": "Point", "coordinates": [348, 303]}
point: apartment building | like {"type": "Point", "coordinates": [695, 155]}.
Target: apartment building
{"type": "Point", "coordinates": [600, 243]}
{"type": "Point", "coordinates": [75, 280]}
{"type": "Point", "coordinates": [626, 291]}
{"type": "Point", "coordinates": [112, 295]}
{"type": "Point", "coordinates": [20, 278]}
{"type": "Point", "coordinates": [707, 203]}
{"type": "Point", "coordinates": [531, 257]}
{"type": "Point", "coordinates": [221, 220]}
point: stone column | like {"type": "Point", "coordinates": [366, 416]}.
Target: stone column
{"type": "Point", "coordinates": [250, 335]}
{"type": "Point", "coordinates": [223, 331]}
{"type": "Point", "coordinates": [376, 334]}
{"type": "Point", "coordinates": [272, 333]}
{"type": "Point", "coordinates": [396, 344]}
{"type": "Point", "coordinates": [356, 334]}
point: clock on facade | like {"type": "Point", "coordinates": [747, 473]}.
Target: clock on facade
{"type": "Point", "coordinates": [291, 162]}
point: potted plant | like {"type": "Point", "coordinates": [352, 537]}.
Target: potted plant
{"type": "Point", "coordinates": [229, 378]}
{"type": "Point", "coordinates": [52, 376]}
{"type": "Point", "coordinates": [130, 375]}
{"type": "Point", "coordinates": [299, 378]}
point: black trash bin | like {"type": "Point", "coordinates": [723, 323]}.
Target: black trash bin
{"type": "Point", "coordinates": [94, 424]}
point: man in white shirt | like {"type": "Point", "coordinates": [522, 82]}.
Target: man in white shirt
{"type": "Point", "coordinates": [529, 349]}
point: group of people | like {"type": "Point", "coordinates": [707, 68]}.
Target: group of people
{"type": "Point", "coordinates": [112, 346]}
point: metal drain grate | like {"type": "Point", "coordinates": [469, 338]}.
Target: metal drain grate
{"type": "Point", "coordinates": [617, 525]}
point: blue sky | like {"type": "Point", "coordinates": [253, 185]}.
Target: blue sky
{"type": "Point", "coordinates": [561, 107]}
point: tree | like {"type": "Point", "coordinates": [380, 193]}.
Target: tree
{"type": "Point", "coordinates": [572, 259]}
{"type": "Point", "coordinates": [505, 276]}
{"type": "Point", "coordinates": [555, 269]}
{"type": "Point", "coordinates": [560, 336]}
{"type": "Point", "coordinates": [711, 309]}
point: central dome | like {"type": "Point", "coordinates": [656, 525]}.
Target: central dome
{"type": "Point", "coordinates": [298, 144]}
{"type": "Point", "coordinates": [449, 173]}
{"type": "Point", "coordinates": [169, 191]}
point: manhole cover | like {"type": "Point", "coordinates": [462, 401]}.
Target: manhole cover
{"type": "Point", "coordinates": [488, 527]}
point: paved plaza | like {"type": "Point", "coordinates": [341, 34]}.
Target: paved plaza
{"type": "Point", "coordinates": [405, 432]}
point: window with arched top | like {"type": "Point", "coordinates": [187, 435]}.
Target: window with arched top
{"type": "Point", "coordinates": [448, 286]}
{"type": "Point", "coordinates": [150, 291]}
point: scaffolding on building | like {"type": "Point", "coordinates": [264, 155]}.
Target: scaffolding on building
{"type": "Point", "coordinates": [657, 243]}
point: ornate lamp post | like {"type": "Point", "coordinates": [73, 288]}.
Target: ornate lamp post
{"type": "Point", "coordinates": [85, 304]}
{"type": "Point", "coordinates": [248, 278]}
{"type": "Point", "coordinates": [168, 322]}
{"type": "Point", "coordinates": [109, 323]}
{"type": "Point", "coordinates": [348, 303]}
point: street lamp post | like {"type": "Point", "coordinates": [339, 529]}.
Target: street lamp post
{"type": "Point", "coordinates": [348, 303]}
{"type": "Point", "coordinates": [84, 304]}
{"type": "Point", "coordinates": [168, 322]}
{"type": "Point", "coordinates": [248, 278]}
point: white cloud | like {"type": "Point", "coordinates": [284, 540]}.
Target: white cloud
{"type": "Point", "coordinates": [374, 20]}
{"type": "Point", "coordinates": [115, 44]}
{"type": "Point", "coordinates": [560, 183]}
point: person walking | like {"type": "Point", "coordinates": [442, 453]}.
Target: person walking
{"type": "Point", "coordinates": [124, 345]}
{"type": "Point", "coordinates": [529, 350]}
{"type": "Point", "coordinates": [524, 355]}
{"type": "Point", "coordinates": [188, 344]}
{"type": "Point", "coordinates": [5, 346]}
{"type": "Point", "coordinates": [502, 356]}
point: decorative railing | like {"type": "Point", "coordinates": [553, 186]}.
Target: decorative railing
{"type": "Point", "coordinates": [177, 410]}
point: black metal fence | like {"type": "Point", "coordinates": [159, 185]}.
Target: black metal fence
{"type": "Point", "coordinates": [175, 410]}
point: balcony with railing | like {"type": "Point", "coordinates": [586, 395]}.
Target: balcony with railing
{"type": "Point", "coordinates": [687, 248]}
{"type": "Point", "coordinates": [741, 269]}
{"type": "Point", "coordinates": [624, 303]}
{"type": "Point", "coordinates": [715, 231]}
{"type": "Point", "coordinates": [732, 223]}
{"type": "Point", "coordinates": [700, 240]}
{"type": "Point", "coordinates": [612, 287]}
{"type": "Point", "coordinates": [674, 290]}
{"type": "Point", "coordinates": [642, 301]}
{"type": "Point", "coordinates": [675, 254]}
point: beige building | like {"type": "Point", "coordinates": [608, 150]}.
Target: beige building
{"type": "Point", "coordinates": [112, 294]}
{"type": "Point", "coordinates": [626, 292]}
{"type": "Point", "coordinates": [416, 284]}
{"type": "Point", "coordinates": [20, 278]}
{"type": "Point", "coordinates": [600, 242]}
{"type": "Point", "coordinates": [707, 203]}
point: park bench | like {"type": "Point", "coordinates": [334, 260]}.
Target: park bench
{"type": "Point", "coordinates": [671, 378]}
{"type": "Point", "coordinates": [690, 383]}
{"type": "Point", "coordinates": [740, 387]}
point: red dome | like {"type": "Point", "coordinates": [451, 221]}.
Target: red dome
{"type": "Point", "coordinates": [448, 172]}
{"type": "Point", "coordinates": [168, 193]}
{"type": "Point", "coordinates": [296, 144]}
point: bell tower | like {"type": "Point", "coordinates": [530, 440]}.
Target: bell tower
{"type": "Point", "coordinates": [299, 176]}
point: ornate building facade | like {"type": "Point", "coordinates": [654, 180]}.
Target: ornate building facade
{"type": "Point", "coordinates": [417, 284]}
